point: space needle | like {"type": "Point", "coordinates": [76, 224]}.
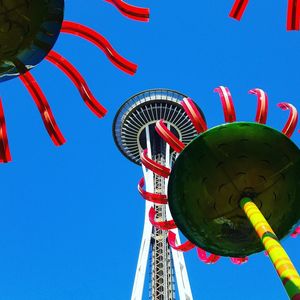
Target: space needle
{"type": "Point", "coordinates": [134, 131]}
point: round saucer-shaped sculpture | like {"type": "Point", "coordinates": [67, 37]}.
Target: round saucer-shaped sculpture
{"type": "Point", "coordinates": [28, 31]}
{"type": "Point", "coordinates": [220, 167]}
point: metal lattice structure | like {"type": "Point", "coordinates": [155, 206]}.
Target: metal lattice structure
{"type": "Point", "coordinates": [143, 110]}
{"type": "Point", "coordinates": [161, 258]}
{"type": "Point", "coordinates": [134, 131]}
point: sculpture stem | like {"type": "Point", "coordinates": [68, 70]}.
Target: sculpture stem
{"type": "Point", "coordinates": [281, 261]}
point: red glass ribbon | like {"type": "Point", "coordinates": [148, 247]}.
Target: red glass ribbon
{"type": "Point", "coordinates": [163, 225]}
{"type": "Point", "coordinates": [5, 156]}
{"type": "Point", "coordinates": [196, 118]}
{"type": "Point", "coordinates": [168, 136]}
{"type": "Point", "coordinates": [227, 103]}
{"type": "Point", "coordinates": [262, 106]}
{"type": "Point", "coordinates": [293, 12]}
{"type": "Point", "coordinates": [207, 259]}
{"type": "Point", "coordinates": [187, 246]}
{"type": "Point", "coordinates": [292, 121]}
{"type": "Point", "coordinates": [154, 166]}
{"type": "Point", "coordinates": [293, 15]}
{"type": "Point", "coordinates": [155, 198]}
{"type": "Point", "coordinates": [296, 232]}
{"type": "Point", "coordinates": [43, 107]}
{"type": "Point", "coordinates": [131, 11]}
{"type": "Point", "coordinates": [99, 41]}
{"type": "Point", "coordinates": [78, 81]}
{"type": "Point", "coordinates": [239, 260]}
{"type": "Point", "coordinates": [238, 9]}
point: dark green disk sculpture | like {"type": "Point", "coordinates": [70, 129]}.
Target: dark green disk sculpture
{"type": "Point", "coordinates": [28, 31]}
{"type": "Point", "coordinates": [222, 166]}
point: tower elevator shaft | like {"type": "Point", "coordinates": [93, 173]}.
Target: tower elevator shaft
{"type": "Point", "coordinates": [162, 271]}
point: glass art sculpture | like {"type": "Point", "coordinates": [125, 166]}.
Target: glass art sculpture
{"type": "Point", "coordinates": [28, 32]}
{"type": "Point", "coordinates": [234, 190]}
{"type": "Point", "coordinates": [293, 12]}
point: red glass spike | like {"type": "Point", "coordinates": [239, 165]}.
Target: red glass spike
{"type": "Point", "coordinates": [154, 166]}
{"type": "Point", "coordinates": [5, 156]}
{"type": "Point", "coordinates": [192, 111]}
{"type": "Point", "coordinates": [238, 9]}
{"type": "Point", "coordinates": [187, 246]}
{"type": "Point", "coordinates": [131, 11]}
{"type": "Point", "coordinates": [99, 41]}
{"type": "Point", "coordinates": [293, 15]}
{"type": "Point", "coordinates": [207, 259]}
{"type": "Point", "coordinates": [79, 82]}
{"type": "Point", "coordinates": [239, 260]}
{"type": "Point", "coordinates": [262, 106]}
{"type": "Point", "coordinates": [296, 232]}
{"type": "Point", "coordinates": [292, 121]}
{"type": "Point", "coordinates": [163, 225]}
{"type": "Point", "coordinates": [44, 108]}
{"type": "Point", "coordinates": [227, 103]}
{"type": "Point", "coordinates": [155, 198]}
{"type": "Point", "coordinates": [169, 137]}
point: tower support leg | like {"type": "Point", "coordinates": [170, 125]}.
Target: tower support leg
{"type": "Point", "coordinates": [281, 261]}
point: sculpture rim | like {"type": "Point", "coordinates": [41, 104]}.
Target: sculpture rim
{"type": "Point", "coordinates": [177, 206]}
{"type": "Point", "coordinates": [28, 40]}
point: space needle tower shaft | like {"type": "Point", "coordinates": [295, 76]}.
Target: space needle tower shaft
{"type": "Point", "coordinates": [134, 131]}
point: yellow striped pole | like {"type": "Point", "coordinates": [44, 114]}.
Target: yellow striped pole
{"type": "Point", "coordinates": [282, 263]}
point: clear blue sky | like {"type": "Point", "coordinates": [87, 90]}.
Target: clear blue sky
{"type": "Point", "coordinates": [71, 218]}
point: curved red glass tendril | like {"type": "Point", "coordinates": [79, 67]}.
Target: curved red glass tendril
{"type": "Point", "coordinates": [213, 258]}
{"type": "Point", "coordinates": [207, 259]}
{"type": "Point", "coordinates": [239, 260]}
{"type": "Point", "coordinates": [131, 11]}
{"type": "Point", "coordinates": [293, 15]}
{"type": "Point", "coordinates": [292, 121]}
{"type": "Point", "coordinates": [227, 103]}
{"type": "Point", "coordinates": [187, 246]}
{"type": "Point", "coordinates": [103, 44]}
{"type": "Point", "coordinates": [155, 198]}
{"type": "Point", "coordinates": [161, 170]}
{"type": "Point", "coordinates": [293, 12]}
{"type": "Point", "coordinates": [238, 9]}
{"type": "Point", "coordinates": [43, 107]}
{"type": "Point", "coordinates": [169, 137]}
{"type": "Point", "coordinates": [78, 81]}
{"type": "Point", "coordinates": [262, 106]}
{"type": "Point", "coordinates": [296, 232]}
{"type": "Point", "coordinates": [193, 113]}
{"type": "Point", "coordinates": [154, 166]}
{"type": "Point", "coordinates": [163, 225]}
{"type": "Point", "coordinates": [5, 156]}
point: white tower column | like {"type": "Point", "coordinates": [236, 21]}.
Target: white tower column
{"type": "Point", "coordinates": [134, 130]}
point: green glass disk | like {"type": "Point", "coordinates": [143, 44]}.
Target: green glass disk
{"type": "Point", "coordinates": [220, 167]}
{"type": "Point", "coordinates": [28, 31]}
